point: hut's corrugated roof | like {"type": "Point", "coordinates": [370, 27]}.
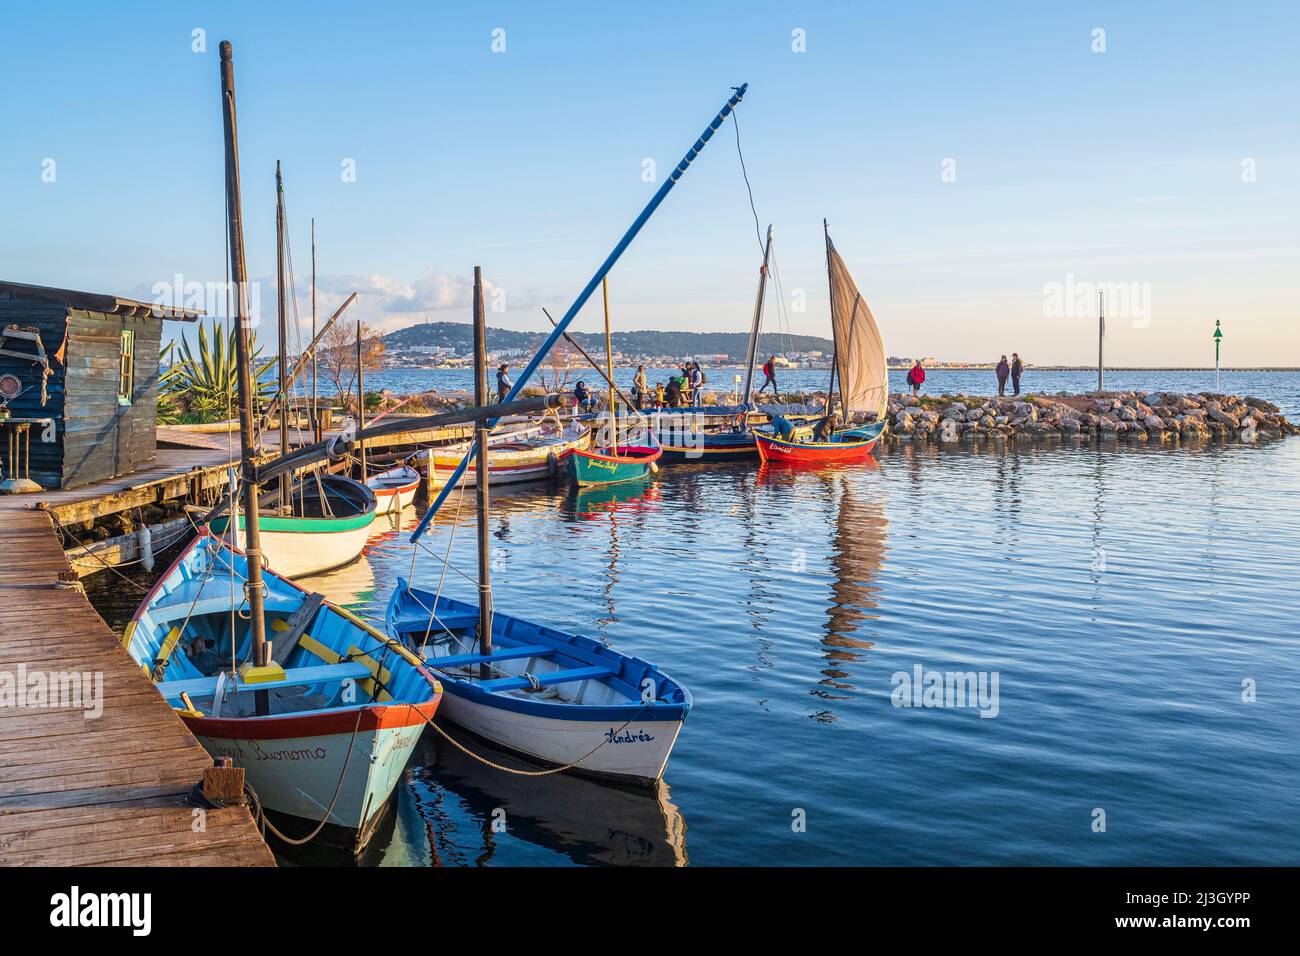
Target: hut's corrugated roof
{"type": "Point", "coordinates": [95, 302]}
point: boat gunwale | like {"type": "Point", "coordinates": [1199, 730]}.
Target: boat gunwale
{"type": "Point", "coordinates": [582, 649]}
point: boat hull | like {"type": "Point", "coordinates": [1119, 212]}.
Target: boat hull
{"type": "Point", "coordinates": [779, 451]}
{"type": "Point", "coordinates": [394, 490]}
{"type": "Point", "coordinates": [300, 547]}
{"type": "Point", "coordinates": [600, 468]}
{"type": "Point", "coordinates": [617, 720]}
{"type": "Point", "coordinates": [725, 446]}
{"type": "Point", "coordinates": [378, 757]}
{"type": "Point", "coordinates": [635, 755]}
{"type": "Point", "coordinates": [509, 462]}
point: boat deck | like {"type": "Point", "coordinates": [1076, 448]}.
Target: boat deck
{"type": "Point", "coordinates": [77, 789]}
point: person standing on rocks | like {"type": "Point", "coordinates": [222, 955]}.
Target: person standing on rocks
{"type": "Point", "coordinates": [916, 377]}
{"type": "Point", "coordinates": [1003, 370]}
{"type": "Point", "coordinates": [769, 375]}
{"type": "Point", "coordinates": [1017, 367]}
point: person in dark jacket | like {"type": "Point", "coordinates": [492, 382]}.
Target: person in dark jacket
{"type": "Point", "coordinates": [1017, 367]}
{"type": "Point", "coordinates": [1003, 370]}
{"type": "Point", "coordinates": [582, 395]}
{"type": "Point", "coordinates": [769, 375]}
{"type": "Point", "coordinates": [503, 383]}
{"type": "Point", "coordinates": [916, 377]}
{"type": "Point", "coordinates": [673, 393]}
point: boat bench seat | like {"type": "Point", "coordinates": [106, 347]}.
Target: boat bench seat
{"type": "Point", "coordinates": [498, 654]}
{"type": "Point", "coordinates": [197, 598]}
{"type": "Point", "coordinates": [566, 676]}
{"type": "Point", "coordinates": [421, 621]}
{"type": "Point", "coordinates": [293, 677]}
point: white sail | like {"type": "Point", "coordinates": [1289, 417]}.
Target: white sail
{"type": "Point", "coordinates": [859, 350]}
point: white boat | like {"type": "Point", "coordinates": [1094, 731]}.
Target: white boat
{"type": "Point", "coordinates": [325, 528]}
{"type": "Point", "coordinates": [394, 489]}
{"type": "Point", "coordinates": [559, 698]}
{"type": "Point", "coordinates": [344, 717]}
{"type": "Point", "coordinates": [531, 454]}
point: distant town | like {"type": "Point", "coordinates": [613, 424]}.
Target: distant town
{"type": "Point", "coordinates": [433, 345]}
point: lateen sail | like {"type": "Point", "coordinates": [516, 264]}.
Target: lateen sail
{"type": "Point", "coordinates": [859, 351]}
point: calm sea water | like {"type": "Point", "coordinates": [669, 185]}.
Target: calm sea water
{"type": "Point", "coordinates": [1127, 600]}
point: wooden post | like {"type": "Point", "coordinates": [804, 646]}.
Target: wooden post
{"type": "Point", "coordinates": [361, 405]}
{"type": "Point", "coordinates": [481, 478]}
{"type": "Point", "coordinates": [609, 370]}
{"type": "Point", "coordinates": [248, 455]}
{"type": "Point", "coordinates": [315, 409]}
{"type": "Point", "coordinates": [282, 327]}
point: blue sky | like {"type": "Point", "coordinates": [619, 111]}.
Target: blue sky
{"type": "Point", "coordinates": [1071, 166]}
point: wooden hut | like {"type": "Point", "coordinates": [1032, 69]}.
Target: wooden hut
{"type": "Point", "coordinates": [80, 371]}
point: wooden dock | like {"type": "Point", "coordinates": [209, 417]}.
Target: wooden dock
{"type": "Point", "coordinates": [77, 789]}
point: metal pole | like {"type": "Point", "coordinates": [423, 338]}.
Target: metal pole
{"type": "Point", "coordinates": [481, 477]}
{"type": "Point", "coordinates": [239, 271]}
{"type": "Point", "coordinates": [1101, 339]}
{"type": "Point", "coordinates": [752, 354]}
{"type": "Point", "coordinates": [1218, 337]}
{"type": "Point", "coordinates": [714, 125]}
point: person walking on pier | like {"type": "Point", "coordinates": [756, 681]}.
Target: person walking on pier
{"type": "Point", "coordinates": [503, 383]}
{"type": "Point", "coordinates": [769, 376]}
{"type": "Point", "coordinates": [1017, 367]}
{"type": "Point", "coordinates": [1003, 370]}
{"type": "Point", "coordinates": [916, 377]}
{"type": "Point", "coordinates": [640, 387]}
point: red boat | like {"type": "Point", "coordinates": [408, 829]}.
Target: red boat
{"type": "Point", "coordinates": [852, 445]}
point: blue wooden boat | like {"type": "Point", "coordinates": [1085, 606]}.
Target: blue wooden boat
{"type": "Point", "coordinates": [558, 698]}
{"type": "Point", "coordinates": [346, 706]}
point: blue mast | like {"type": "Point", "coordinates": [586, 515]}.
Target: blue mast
{"type": "Point", "coordinates": [558, 332]}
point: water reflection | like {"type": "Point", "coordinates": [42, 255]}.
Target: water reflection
{"type": "Point", "coordinates": [859, 541]}
{"type": "Point", "coordinates": [459, 811]}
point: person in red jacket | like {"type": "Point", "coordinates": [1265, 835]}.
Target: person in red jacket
{"type": "Point", "coordinates": [916, 377]}
{"type": "Point", "coordinates": [769, 375]}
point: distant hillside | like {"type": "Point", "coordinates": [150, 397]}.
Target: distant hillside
{"type": "Point", "coordinates": [458, 336]}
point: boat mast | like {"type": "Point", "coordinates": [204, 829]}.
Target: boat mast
{"type": "Point", "coordinates": [282, 330]}
{"type": "Point", "coordinates": [247, 453]}
{"type": "Point", "coordinates": [758, 319]}
{"type": "Point", "coordinates": [609, 370]}
{"type": "Point", "coordinates": [558, 332]}
{"type": "Point", "coordinates": [361, 406]}
{"type": "Point", "coordinates": [835, 351]}
{"type": "Point", "coordinates": [481, 477]}
{"type": "Point", "coordinates": [315, 423]}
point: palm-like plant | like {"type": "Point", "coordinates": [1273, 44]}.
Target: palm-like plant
{"type": "Point", "coordinates": [201, 385]}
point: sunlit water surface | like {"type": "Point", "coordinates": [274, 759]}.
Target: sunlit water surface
{"type": "Point", "coordinates": [1128, 600]}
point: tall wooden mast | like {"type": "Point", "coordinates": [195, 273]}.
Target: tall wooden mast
{"type": "Point", "coordinates": [609, 370]}
{"type": "Point", "coordinates": [481, 476]}
{"type": "Point", "coordinates": [758, 320]}
{"type": "Point", "coordinates": [282, 326]}
{"type": "Point", "coordinates": [247, 451]}
{"type": "Point", "coordinates": [315, 412]}
{"type": "Point", "coordinates": [835, 350]}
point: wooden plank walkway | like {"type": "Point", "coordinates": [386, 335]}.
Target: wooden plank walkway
{"type": "Point", "coordinates": [104, 790]}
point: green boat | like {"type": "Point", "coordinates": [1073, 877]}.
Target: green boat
{"type": "Point", "coordinates": [605, 466]}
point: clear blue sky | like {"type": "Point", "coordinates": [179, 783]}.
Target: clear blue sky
{"type": "Point", "coordinates": [1122, 166]}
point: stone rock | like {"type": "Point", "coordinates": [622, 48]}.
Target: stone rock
{"type": "Point", "coordinates": [1154, 423]}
